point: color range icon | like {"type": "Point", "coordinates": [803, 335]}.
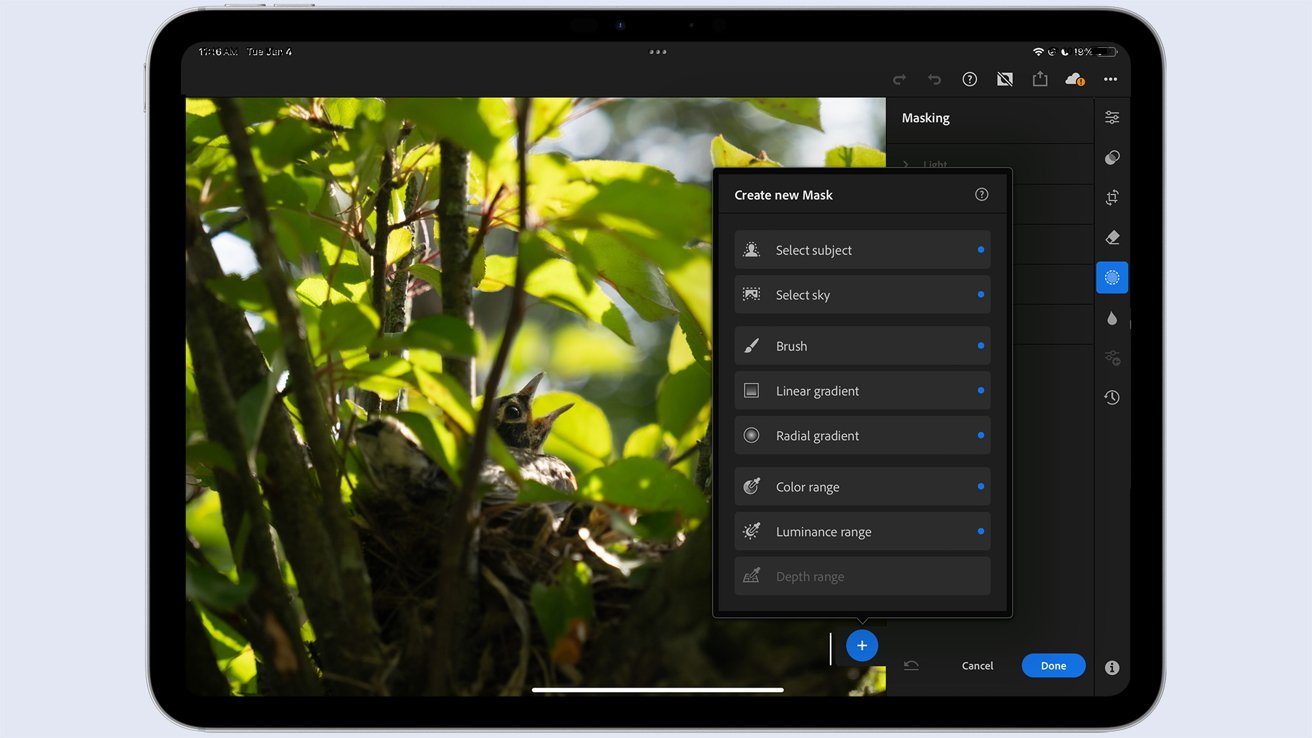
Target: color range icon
{"type": "Point", "coordinates": [1112, 277]}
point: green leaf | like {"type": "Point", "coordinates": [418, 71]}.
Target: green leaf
{"type": "Point", "coordinates": [660, 526]}
{"type": "Point", "coordinates": [384, 376]}
{"type": "Point", "coordinates": [443, 392]}
{"type": "Point", "coordinates": [606, 354]}
{"type": "Point", "coordinates": [725, 154]}
{"type": "Point", "coordinates": [345, 110]}
{"type": "Point", "coordinates": [286, 190]}
{"type": "Point", "coordinates": [245, 293]}
{"type": "Point", "coordinates": [447, 396]}
{"type": "Point", "coordinates": [314, 291]}
{"type": "Point", "coordinates": [346, 325]}
{"type": "Point", "coordinates": [260, 109]}
{"type": "Point", "coordinates": [209, 455]}
{"type": "Point", "coordinates": [277, 144]}
{"type": "Point", "coordinates": [692, 332]}
{"type": "Point", "coordinates": [646, 485]}
{"type": "Point", "coordinates": [548, 114]}
{"type": "Point", "coordinates": [647, 441]}
{"type": "Point", "coordinates": [646, 200]}
{"type": "Point", "coordinates": [558, 282]}
{"type": "Point", "coordinates": [399, 242]}
{"type": "Point", "coordinates": [441, 445]}
{"type": "Point", "coordinates": [205, 524]}
{"type": "Point", "coordinates": [563, 607]}
{"type": "Point", "coordinates": [581, 436]}
{"type": "Point", "coordinates": [422, 158]}
{"type": "Point", "coordinates": [680, 353]}
{"type": "Point", "coordinates": [465, 120]}
{"type": "Point", "coordinates": [855, 156]}
{"type": "Point", "coordinates": [624, 265]}
{"type": "Point", "coordinates": [804, 111]}
{"type": "Point", "coordinates": [443, 334]}
{"type": "Point", "coordinates": [430, 274]}
{"type": "Point", "coordinates": [690, 280]}
{"type": "Point", "coordinates": [225, 640]}
{"type": "Point", "coordinates": [531, 492]}
{"type": "Point", "coordinates": [253, 407]}
{"type": "Point", "coordinates": [681, 399]}
{"type": "Point", "coordinates": [213, 589]}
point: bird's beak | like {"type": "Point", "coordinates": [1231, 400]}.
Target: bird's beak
{"type": "Point", "coordinates": [550, 418]}
{"type": "Point", "coordinates": [532, 386]}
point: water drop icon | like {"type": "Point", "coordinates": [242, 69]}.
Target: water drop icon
{"type": "Point", "coordinates": [1111, 318]}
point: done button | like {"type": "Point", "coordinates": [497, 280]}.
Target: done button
{"type": "Point", "coordinates": [1052, 665]}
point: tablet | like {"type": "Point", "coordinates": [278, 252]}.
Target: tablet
{"type": "Point", "coordinates": [657, 369]}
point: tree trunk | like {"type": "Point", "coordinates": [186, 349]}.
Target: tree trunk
{"type": "Point", "coordinates": [453, 241]}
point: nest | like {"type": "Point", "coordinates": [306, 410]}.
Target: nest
{"type": "Point", "coordinates": [503, 650]}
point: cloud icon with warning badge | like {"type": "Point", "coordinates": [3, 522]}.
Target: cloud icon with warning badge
{"type": "Point", "coordinates": [1075, 79]}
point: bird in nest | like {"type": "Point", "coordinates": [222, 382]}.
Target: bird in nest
{"type": "Point", "coordinates": [398, 464]}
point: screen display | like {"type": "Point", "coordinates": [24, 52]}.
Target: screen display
{"type": "Point", "coordinates": [626, 369]}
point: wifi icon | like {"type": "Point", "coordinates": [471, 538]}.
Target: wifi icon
{"type": "Point", "coordinates": [1038, 51]}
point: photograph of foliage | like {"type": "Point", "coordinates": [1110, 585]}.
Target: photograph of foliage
{"type": "Point", "coordinates": [449, 390]}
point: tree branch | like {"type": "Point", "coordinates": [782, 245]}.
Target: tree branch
{"type": "Point", "coordinates": [453, 243]}
{"type": "Point", "coordinates": [356, 607]}
{"type": "Point", "coordinates": [202, 676]}
{"type": "Point", "coordinates": [288, 485]}
{"type": "Point", "coordinates": [382, 231]}
{"type": "Point", "coordinates": [456, 545]}
{"type": "Point", "coordinates": [702, 474]}
{"type": "Point", "coordinates": [395, 317]}
{"type": "Point", "coordinates": [279, 643]}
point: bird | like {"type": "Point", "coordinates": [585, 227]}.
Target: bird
{"type": "Point", "coordinates": [399, 466]}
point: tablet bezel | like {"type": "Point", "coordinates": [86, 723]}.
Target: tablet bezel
{"type": "Point", "coordinates": [165, 586]}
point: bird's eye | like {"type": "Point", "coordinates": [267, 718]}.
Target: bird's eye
{"type": "Point", "coordinates": [513, 412]}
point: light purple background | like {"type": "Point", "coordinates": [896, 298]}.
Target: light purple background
{"type": "Point", "coordinates": [73, 385]}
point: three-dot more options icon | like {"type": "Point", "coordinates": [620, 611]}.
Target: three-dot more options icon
{"type": "Point", "coordinates": [862, 645]}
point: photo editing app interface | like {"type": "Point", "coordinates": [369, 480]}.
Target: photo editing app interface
{"type": "Point", "coordinates": [923, 384]}
{"type": "Point", "coordinates": [898, 311]}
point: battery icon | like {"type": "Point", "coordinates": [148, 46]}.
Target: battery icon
{"type": "Point", "coordinates": [1107, 51]}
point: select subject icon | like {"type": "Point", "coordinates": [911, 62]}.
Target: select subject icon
{"type": "Point", "coordinates": [750, 251]}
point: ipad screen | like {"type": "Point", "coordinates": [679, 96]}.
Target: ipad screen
{"type": "Point", "coordinates": [529, 368]}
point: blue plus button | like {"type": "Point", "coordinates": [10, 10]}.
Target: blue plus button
{"type": "Point", "coordinates": [862, 645]}
{"type": "Point", "coordinates": [1112, 277]}
{"type": "Point", "coordinates": [1052, 665]}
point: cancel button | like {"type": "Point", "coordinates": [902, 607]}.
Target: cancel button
{"type": "Point", "coordinates": [977, 666]}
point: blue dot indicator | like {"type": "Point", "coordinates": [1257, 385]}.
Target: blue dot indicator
{"type": "Point", "coordinates": [862, 645]}
{"type": "Point", "coordinates": [980, 249]}
{"type": "Point", "coordinates": [980, 294]}
{"type": "Point", "coordinates": [979, 486]}
{"type": "Point", "coordinates": [980, 434]}
{"type": "Point", "coordinates": [979, 390]}
{"type": "Point", "coordinates": [980, 345]}
{"type": "Point", "coordinates": [979, 531]}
